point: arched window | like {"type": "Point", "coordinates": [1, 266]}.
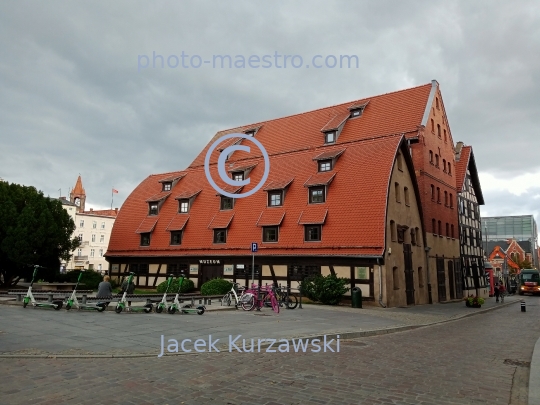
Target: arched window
{"type": "Point", "coordinates": [406, 193]}
{"type": "Point", "coordinates": [437, 102]}
{"type": "Point", "coordinates": [440, 228]}
{"type": "Point", "coordinates": [439, 130]}
{"type": "Point", "coordinates": [399, 163]}
{"type": "Point", "coordinates": [413, 237]}
{"type": "Point", "coordinates": [449, 168]}
{"type": "Point", "coordinates": [433, 228]}
{"type": "Point", "coordinates": [433, 192]}
{"type": "Point", "coordinates": [436, 160]}
{"type": "Point", "coordinates": [396, 189]}
{"type": "Point", "coordinates": [432, 126]}
{"type": "Point", "coordinates": [445, 139]}
{"type": "Point", "coordinates": [431, 157]}
{"type": "Point", "coordinates": [420, 277]}
{"type": "Point", "coordinates": [446, 198]}
{"type": "Point", "coordinates": [393, 236]}
{"type": "Point", "coordinates": [452, 231]}
{"type": "Point", "coordinates": [447, 230]}
{"type": "Point", "coordinates": [451, 201]}
{"type": "Point", "coordinates": [444, 165]}
{"type": "Point", "coordinates": [438, 195]}
{"type": "Point", "coordinates": [418, 237]}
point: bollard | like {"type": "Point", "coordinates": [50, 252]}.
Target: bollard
{"type": "Point", "coordinates": [523, 308]}
{"type": "Point", "coordinates": [356, 297]}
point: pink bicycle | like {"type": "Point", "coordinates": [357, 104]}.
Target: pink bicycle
{"type": "Point", "coordinates": [256, 296]}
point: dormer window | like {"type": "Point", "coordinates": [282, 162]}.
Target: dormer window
{"type": "Point", "coordinates": [167, 186]}
{"type": "Point", "coordinates": [238, 176]}
{"type": "Point", "coordinates": [145, 239]}
{"type": "Point", "coordinates": [325, 165]}
{"type": "Point", "coordinates": [250, 133]}
{"type": "Point", "coordinates": [226, 203]}
{"type": "Point", "coordinates": [330, 137]}
{"type": "Point", "coordinates": [275, 198]}
{"type": "Point", "coordinates": [183, 205]}
{"type": "Point", "coordinates": [153, 208]}
{"type": "Point", "coordinates": [356, 112]}
{"type": "Point", "coordinates": [317, 195]}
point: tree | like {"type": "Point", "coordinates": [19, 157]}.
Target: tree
{"type": "Point", "coordinates": [33, 230]}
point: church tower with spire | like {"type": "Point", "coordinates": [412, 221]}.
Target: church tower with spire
{"type": "Point", "coordinates": [78, 195]}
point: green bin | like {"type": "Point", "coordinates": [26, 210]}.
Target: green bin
{"type": "Point", "coordinates": [356, 297]}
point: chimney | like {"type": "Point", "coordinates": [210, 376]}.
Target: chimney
{"type": "Point", "coordinates": [116, 210]}
{"type": "Point", "coordinates": [459, 146]}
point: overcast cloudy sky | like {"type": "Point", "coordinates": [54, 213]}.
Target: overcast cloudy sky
{"type": "Point", "coordinates": [74, 100]}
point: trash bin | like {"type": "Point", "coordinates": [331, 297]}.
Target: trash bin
{"type": "Point", "coordinates": [356, 297]}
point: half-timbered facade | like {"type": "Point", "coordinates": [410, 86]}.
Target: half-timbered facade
{"type": "Point", "coordinates": [470, 229]}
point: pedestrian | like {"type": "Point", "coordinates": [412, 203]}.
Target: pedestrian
{"type": "Point", "coordinates": [105, 289]}
{"type": "Point", "coordinates": [496, 288]}
{"type": "Point", "coordinates": [129, 288]}
{"type": "Point", "coordinates": [502, 290]}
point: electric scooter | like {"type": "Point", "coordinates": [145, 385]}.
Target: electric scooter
{"type": "Point", "coordinates": [72, 300]}
{"type": "Point", "coordinates": [29, 299]}
{"type": "Point", "coordinates": [163, 304]}
{"type": "Point", "coordinates": [122, 303]}
{"type": "Point", "coordinates": [186, 309]}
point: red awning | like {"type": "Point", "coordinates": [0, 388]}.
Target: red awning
{"type": "Point", "coordinates": [329, 154]}
{"type": "Point", "coordinates": [187, 194]}
{"type": "Point", "coordinates": [278, 184]}
{"type": "Point", "coordinates": [178, 222]}
{"type": "Point", "coordinates": [147, 225]}
{"type": "Point", "coordinates": [221, 220]}
{"type": "Point", "coordinates": [320, 179]}
{"type": "Point", "coordinates": [173, 178]}
{"type": "Point", "coordinates": [271, 217]}
{"type": "Point", "coordinates": [159, 196]}
{"type": "Point", "coordinates": [313, 216]}
{"type": "Point", "coordinates": [336, 121]}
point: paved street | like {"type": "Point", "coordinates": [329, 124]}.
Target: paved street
{"type": "Point", "coordinates": [473, 360]}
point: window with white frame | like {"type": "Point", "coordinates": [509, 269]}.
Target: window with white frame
{"type": "Point", "coordinates": [92, 251]}
{"type": "Point", "coordinates": [93, 238]}
{"type": "Point", "coordinates": [94, 224]}
{"type": "Point", "coordinates": [103, 225]}
{"type": "Point", "coordinates": [101, 238]}
{"type": "Point", "coordinates": [100, 252]}
{"type": "Point", "coordinates": [81, 224]}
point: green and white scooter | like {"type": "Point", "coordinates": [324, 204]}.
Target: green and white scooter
{"type": "Point", "coordinates": [73, 301]}
{"type": "Point", "coordinates": [186, 309]}
{"type": "Point", "coordinates": [29, 299]}
{"type": "Point", "coordinates": [123, 302]}
{"type": "Point", "coordinates": [163, 303]}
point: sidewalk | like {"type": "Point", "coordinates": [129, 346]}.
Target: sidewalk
{"type": "Point", "coordinates": [34, 332]}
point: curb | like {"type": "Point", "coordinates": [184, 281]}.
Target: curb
{"type": "Point", "coordinates": [534, 376]}
{"type": "Point", "coordinates": [343, 336]}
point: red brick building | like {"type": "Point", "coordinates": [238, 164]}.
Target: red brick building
{"type": "Point", "coordinates": [344, 196]}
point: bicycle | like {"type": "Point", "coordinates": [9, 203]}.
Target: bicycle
{"type": "Point", "coordinates": [285, 299]}
{"type": "Point", "coordinates": [233, 296]}
{"type": "Point", "coordinates": [256, 296]}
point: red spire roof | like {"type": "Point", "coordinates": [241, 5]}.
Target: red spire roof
{"type": "Point", "coordinates": [78, 189]}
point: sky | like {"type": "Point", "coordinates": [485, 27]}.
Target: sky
{"type": "Point", "coordinates": [79, 93]}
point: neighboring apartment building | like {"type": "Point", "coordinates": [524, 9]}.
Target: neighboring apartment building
{"type": "Point", "coordinates": [500, 231]}
{"type": "Point", "coordinates": [342, 198]}
{"type": "Point", "coordinates": [92, 227]}
{"type": "Point", "coordinates": [470, 229]}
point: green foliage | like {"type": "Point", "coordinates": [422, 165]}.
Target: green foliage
{"type": "Point", "coordinates": [34, 229]}
{"type": "Point", "coordinates": [217, 286]}
{"type": "Point", "coordinates": [90, 279]}
{"type": "Point", "coordinates": [327, 290]}
{"type": "Point", "coordinates": [187, 286]}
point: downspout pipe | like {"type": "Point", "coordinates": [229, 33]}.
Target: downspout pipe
{"type": "Point", "coordinates": [381, 303]}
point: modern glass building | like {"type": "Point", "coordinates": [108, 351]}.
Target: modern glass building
{"type": "Point", "coordinates": [522, 228]}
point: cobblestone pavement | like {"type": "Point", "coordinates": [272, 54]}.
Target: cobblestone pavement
{"type": "Point", "coordinates": [45, 332]}
{"type": "Point", "coordinates": [468, 361]}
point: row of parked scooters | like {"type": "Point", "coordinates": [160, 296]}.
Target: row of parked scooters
{"type": "Point", "coordinates": [122, 305]}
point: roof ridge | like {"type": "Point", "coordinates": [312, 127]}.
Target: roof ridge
{"type": "Point", "coordinates": [323, 108]}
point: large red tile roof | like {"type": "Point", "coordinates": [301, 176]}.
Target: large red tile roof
{"type": "Point", "coordinates": [354, 213]}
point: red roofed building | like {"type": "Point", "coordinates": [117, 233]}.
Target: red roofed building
{"type": "Point", "coordinates": [343, 197]}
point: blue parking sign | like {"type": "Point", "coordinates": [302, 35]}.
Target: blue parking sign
{"type": "Point", "coordinates": [254, 247]}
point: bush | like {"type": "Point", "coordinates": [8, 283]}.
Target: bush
{"type": "Point", "coordinates": [217, 286]}
{"type": "Point", "coordinates": [90, 278]}
{"type": "Point", "coordinates": [187, 286]}
{"type": "Point", "coordinates": [327, 290]}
